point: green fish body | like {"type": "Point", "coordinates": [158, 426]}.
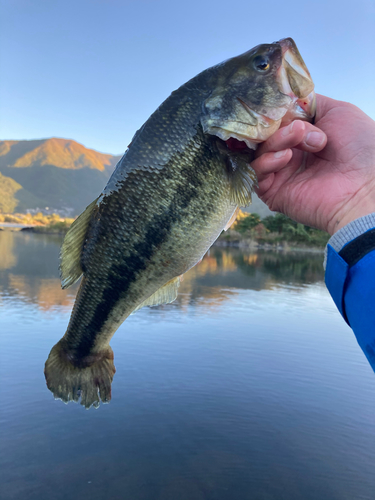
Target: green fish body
{"type": "Point", "coordinates": [177, 187]}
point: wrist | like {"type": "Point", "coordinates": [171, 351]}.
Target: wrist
{"type": "Point", "coordinates": [360, 206]}
{"type": "Point", "coordinates": [350, 232]}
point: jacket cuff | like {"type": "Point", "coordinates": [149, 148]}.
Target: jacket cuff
{"type": "Point", "coordinates": [344, 250]}
{"type": "Point", "coordinates": [349, 233]}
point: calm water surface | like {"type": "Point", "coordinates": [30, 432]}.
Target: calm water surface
{"type": "Point", "coordinates": [249, 387]}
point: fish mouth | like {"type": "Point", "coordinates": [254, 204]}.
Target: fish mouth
{"type": "Point", "coordinates": [298, 102]}
{"type": "Point", "coordinates": [295, 81]}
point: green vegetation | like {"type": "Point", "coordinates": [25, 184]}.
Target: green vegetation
{"type": "Point", "coordinates": [293, 231]}
{"type": "Point", "coordinates": [8, 189]}
{"type": "Point", "coordinates": [273, 230]}
{"type": "Point", "coordinates": [58, 227]}
{"type": "Point", "coordinates": [244, 224]}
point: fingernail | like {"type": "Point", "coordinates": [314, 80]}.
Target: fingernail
{"type": "Point", "coordinates": [280, 154]}
{"type": "Point", "coordinates": [287, 130]}
{"type": "Point", "coordinates": [314, 139]}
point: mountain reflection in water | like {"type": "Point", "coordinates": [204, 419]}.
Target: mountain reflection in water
{"type": "Point", "coordinates": [29, 272]}
{"type": "Point", "coordinates": [249, 386]}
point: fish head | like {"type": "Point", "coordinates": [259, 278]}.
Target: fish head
{"type": "Point", "coordinates": [257, 92]}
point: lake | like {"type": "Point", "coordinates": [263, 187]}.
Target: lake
{"type": "Point", "coordinates": [250, 386]}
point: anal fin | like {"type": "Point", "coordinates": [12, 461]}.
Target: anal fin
{"type": "Point", "coordinates": [165, 295]}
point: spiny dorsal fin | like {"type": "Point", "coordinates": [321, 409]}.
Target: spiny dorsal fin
{"type": "Point", "coordinates": [165, 295]}
{"type": "Point", "coordinates": [243, 179]}
{"type": "Point", "coordinates": [70, 254]}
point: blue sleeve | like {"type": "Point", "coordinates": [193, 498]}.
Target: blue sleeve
{"type": "Point", "coordinates": [351, 282]}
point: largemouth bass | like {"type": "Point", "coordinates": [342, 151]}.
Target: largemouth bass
{"type": "Point", "coordinates": [179, 184]}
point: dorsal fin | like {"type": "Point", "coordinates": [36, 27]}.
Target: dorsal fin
{"type": "Point", "coordinates": [70, 254]}
{"type": "Point", "coordinates": [165, 295]}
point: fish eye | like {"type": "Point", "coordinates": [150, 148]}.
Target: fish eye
{"type": "Point", "coordinates": [261, 63]}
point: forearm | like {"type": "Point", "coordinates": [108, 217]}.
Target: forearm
{"type": "Point", "coordinates": [350, 279]}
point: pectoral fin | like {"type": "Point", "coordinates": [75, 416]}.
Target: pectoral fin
{"type": "Point", "coordinates": [242, 178]}
{"type": "Point", "coordinates": [165, 295]}
{"type": "Point", "coordinates": [71, 250]}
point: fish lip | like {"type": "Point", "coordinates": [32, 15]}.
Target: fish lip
{"type": "Point", "coordinates": [308, 105]}
{"type": "Point", "coordinates": [295, 81]}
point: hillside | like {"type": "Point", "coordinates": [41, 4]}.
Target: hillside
{"type": "Point", "coordinates": [8, 190]}
{"type": "Point", "coordinates": [60, 174]}
{"type": "Point", "coordinates": [57, 173]}
{"type": "Point", "coordinates": [258, 207]}
{"type": "Point", "coordinates": [61, 153]}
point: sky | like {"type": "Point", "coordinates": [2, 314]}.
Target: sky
{"type": "Point", "coordinates": [94, 70]}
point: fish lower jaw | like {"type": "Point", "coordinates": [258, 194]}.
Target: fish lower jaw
{"type": "Point", "coordinates": [301, 109]}
{"type": "Point", "coordinates": [225, 135]}
{"type": "Point", "coordinates": [251, 137]}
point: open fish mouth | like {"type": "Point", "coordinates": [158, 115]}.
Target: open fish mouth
{"type": "Point", "coordinates": [295, 83]}
{"type": "Point", "coordinates": [294, 80]}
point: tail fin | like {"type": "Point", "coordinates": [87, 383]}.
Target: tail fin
{"type": "Point", "coordinates": [69, 382]}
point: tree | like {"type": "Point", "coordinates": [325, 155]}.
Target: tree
{"type": "Point", "coordinates": [247, 223]}
{"type": "Point", "coordinates": [277, 223]}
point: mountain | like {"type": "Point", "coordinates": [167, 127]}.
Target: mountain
{"type": "Point", "coordinates": [57, 173]}
{"type": "Point", "coordinates": [60, 174]}
{"type": "Point", "coordinates": [61, 153]}
{"type": "Point", "coordinates": [9, 188]}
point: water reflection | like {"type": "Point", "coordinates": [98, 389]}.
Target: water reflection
{"type": "Point", "coordinates": [223, 269]}
{"type": "Point", "coordinates": [29, 273]}
{"type": "Point", "coordinates": [247, 389]}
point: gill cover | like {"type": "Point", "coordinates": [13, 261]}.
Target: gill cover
{"type": "Point", "coordinates": [257, 91]}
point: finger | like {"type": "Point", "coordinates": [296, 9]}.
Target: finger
{"type": "Point", "coordinates": [269, 163]}
{"type": "Point", "coordinates": [284, 138]}
{"type": "Point", "coordinates": [282, 174]}
{"type": "Point", "coordinates": [264, 186]}
{"type": "Point", "coordinates": [298, 134]}
{"type": "Point", "coordinates": [290, 171]}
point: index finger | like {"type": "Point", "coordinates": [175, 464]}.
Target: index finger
{"type": "Point", "coordinates": [298, 134]}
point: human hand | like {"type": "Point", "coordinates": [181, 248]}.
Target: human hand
{"type": "Point", "coordinates": [323, 175]}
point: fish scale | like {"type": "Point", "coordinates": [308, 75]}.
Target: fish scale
{"type": "Point", "coordinates": [191, 206]}
{"type": "Point", "coordinates": [176, 188]}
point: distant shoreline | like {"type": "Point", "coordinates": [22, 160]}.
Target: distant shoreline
{"type": "Point", "coordinates": [243, 244]}
{"type": "Point", "coordinates": [37, 223]}
{"type": "Point", "coordinates": [15, 225]}
{"type": "Point", "coordinates": [18, 228]}
{"type": "Point", "coordinates": [281, 246]}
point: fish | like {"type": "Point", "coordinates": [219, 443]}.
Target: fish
{"type": "Point", "coordinates": [179, 184]}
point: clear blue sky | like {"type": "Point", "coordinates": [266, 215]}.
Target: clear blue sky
{"type": "Point", "coordinates": [94, 70]}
